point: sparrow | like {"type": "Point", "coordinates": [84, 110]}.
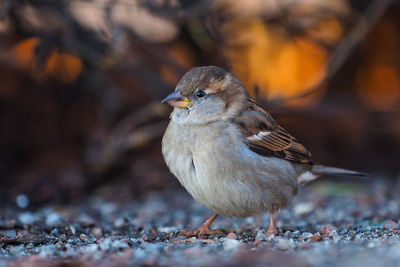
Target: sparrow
{"type": "Point", "coordinates": [229, 153]}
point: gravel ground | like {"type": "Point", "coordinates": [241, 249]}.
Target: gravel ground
{"type": "Point", "coordinates": [328, 223]}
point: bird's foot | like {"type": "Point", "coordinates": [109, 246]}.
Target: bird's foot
{"type": "Point", "coordinates": [201, 232]}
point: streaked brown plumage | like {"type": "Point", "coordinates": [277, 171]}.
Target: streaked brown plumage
{"type": "Point", "coordinates": [266, 137]}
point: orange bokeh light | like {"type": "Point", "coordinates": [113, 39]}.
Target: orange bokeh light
{"type": "Point", "coordinates": [63, 66]}
{"type": "Point", "coordinates": [379, 87]}
{"type": "Point", "coordinates": [60, 65]}
{"type": "Point", "coordinates": [264, 57]}
{"type": "Point", "coordinates": [24, 52]}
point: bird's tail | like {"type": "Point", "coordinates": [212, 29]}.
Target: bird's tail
{"type": "Point", "coordinates": [331, 171]}
{"type": "Point", "coordinates": [319, 170]}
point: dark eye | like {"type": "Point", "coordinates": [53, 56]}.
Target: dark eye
{"type": "Point", "coordinates": [200, 94]}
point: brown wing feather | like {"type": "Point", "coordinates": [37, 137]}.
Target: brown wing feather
{"type": "Point", "coordinates": [265, 137]}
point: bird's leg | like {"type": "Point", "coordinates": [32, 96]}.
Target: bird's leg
{"type": "Point", "coordinates": [271, 228]}
{"type": "Point", "coordinates": [203, 230]}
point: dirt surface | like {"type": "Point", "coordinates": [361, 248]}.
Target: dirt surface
{"type": "Point", "coordinates": [329, 223]}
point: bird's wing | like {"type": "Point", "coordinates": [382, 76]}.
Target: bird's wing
{"type": "Point", "coordinates": [265, 137]}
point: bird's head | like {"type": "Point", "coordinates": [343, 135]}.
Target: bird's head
{"type": "Point", "coordinates": [206, 94]}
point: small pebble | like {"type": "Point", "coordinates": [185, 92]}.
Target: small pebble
{"type": "Point", "coordinates": [231, 236]}
{"type": "Point", "coordinates": [231, 244]}
{"type": "Point", "coordinates": [53, 219]}
{"type": "Point", "coordinates": [92, 248]}
{"type": "Point", "coordinates": [85, 220]}
{"type": "Point", "coordinates": [284, 244]}
{"type": "Point", "coordinates": [307, 235]}
{"type": "Point", "coordinates": [270, 237]}
{"type": "Point", "coordinates": [287, 234]}
{"type": "Point", "coordinates": [97, 231]}
{"type": "Point", "coordinates": [118, 244]}
{"type": "Point", "coordinates": [11, 232]}
{"type": "Point", "coordinates": [168, 229]}
{"type": "Point", "coordinates": [72, 229]}
{"type": "Point", "coordinates": [105, 244]}
{"type": "Point", "coordinates": [261, 235]}
{"type": "Point", "coordinates": [257, 242]}
{"type": "Point", "coordinates": [55, 232]}
{"type": "Point", "coordinates": [328, 229]}
{"type": "Point", "coordinates": [22, 201]}
{"type": "Point", "coordinates": [304, 208]}
{"type": "Point", "coordinates": [316, 238]}
{"type": "Point", "coordinates": [27, 218]}
{"type": "Point", "coordinates": [390, 225]}
{"type": "Point", "coordinates": [119, 222]}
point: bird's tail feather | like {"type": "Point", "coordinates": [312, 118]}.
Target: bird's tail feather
{"type": "Point", "coordinates": [320, 170]}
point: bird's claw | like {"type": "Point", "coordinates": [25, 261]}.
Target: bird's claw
{"type": "Point", "coordinates": [272, 231]}
{"type": "Point", "coordinates": [201, 232]}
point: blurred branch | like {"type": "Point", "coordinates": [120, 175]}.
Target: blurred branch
{"type": "Point", "coordinates": [339, 56]}
{"type": "Point", "coordinates": [195, 10]}
{"type": "Point", "coordinates": [5, 6]}
{"type": "Point", "coordinates": [133, 132]}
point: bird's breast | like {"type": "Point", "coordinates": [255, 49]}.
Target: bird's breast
{"type": "Point", "coordinates": [219, 171]}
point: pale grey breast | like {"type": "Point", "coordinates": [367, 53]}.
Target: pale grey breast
{"type": "Point", "coordinates": [221, 173]}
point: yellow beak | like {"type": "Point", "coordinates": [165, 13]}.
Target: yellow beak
{"type": "Point", "coordinates": [176, 99]}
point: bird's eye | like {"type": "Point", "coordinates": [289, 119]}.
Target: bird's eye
{"type": "Point", "coordinates": [200, 94]}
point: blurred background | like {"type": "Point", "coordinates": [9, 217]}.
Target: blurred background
{"type": "Point", "coordinates": [81, 83]}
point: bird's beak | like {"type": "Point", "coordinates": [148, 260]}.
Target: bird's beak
{"type": "Point", "coordinates": [176, 99]}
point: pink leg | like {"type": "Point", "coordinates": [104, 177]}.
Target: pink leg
{"type": "Point", "coordinates": [271, 228]}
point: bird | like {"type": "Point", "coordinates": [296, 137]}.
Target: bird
{"type": "Point", "coordinates": [229, 153]}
